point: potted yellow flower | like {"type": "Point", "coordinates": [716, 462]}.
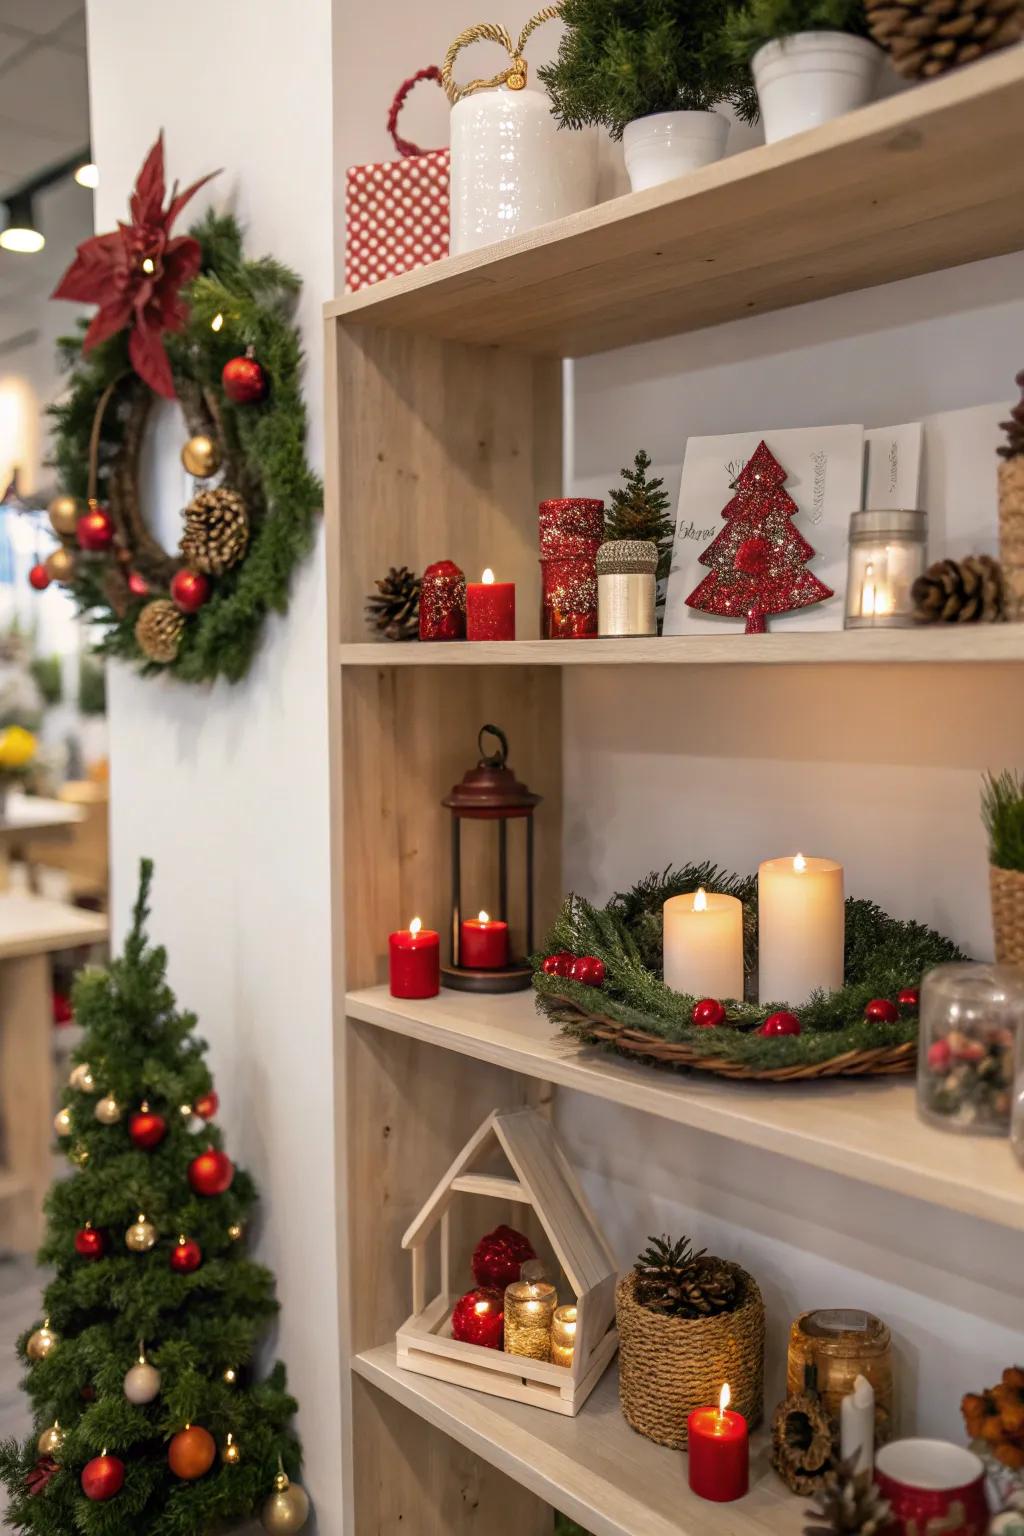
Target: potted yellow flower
{"type": "Point", "coordinates": [17, 754]}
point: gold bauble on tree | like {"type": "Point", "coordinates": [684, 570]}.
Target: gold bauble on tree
{"type": "Point", "coordinates": [51, 1440]}
{"type": "Point", "coordinates": [201, 456]}
{"type": "Point", "coordinates": [287, 1509]}
{"type": "Point", "coordinates": [82, 1078]}
{"type": "Point", "coordinates": [79, 1154]}
{"type": "Point", "coordinates": [64, 514]}
{"type": "Point", "coordinates": [60, 566]}
{"type": "Point", "coordinates": [62, 1122]}
{"type": "Point", "coordinates": [230, 1452]}
{"type": "Point", "coordinates": [108, 1111]}
{"type": "Point", "coordinates": [141, 1235]}
{"type": "Point", "coordinates": [42, 1342]}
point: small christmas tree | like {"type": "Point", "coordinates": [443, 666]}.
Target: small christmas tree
{"type": "Point", "coordinates": [148, 1412]}
{"type": "Point", "coordinates": [758, 562]}
{"type": "Point", "coordinates": [640, 511]}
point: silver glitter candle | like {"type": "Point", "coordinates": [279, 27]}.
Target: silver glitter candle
{"type": "Point", "coordinates": [626, 587]}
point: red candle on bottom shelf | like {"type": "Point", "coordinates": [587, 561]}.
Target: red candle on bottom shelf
{"type": "Point", "coordinates": [719, 1450]}
{"type": "Point", "coordinates": [490, 609]}
{"type": "Point", "coordinates": [483, 943]}
{"type": "Point", "coordinates": [414, 956]}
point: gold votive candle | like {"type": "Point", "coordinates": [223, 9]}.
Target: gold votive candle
{"type": "Point", "coordinates": [529, 1309]}
{"type": "Point", "coordinates": [563, 1335]}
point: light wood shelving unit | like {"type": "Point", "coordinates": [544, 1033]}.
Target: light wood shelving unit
{"type": "Point", "coordinates": [444, 420]}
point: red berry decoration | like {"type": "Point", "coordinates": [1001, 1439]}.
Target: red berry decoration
{"type": "Point", "coordinates": [90, 1244]}
{"type": "Point", "coordinates": [146, 1128]}
{"type": "Point", "coordinates": [479, 1318]}
{"type": "Point", "coordinates": [781, 1023]}
{"type": "Point", "coordinates": [186, 1255]}
{"type": "Point", "coordinates": [138, 586]}
{"type": "Point", "coordinates": [498, 1258]}
{"type": "Point", "coordinates": [211, 1172]}
{"type": "Point", "coordinates": [558, 965]}
{"type": "Point", "coordinates": [244, 381]}
{"type": "Point", "coordinates": [189, 589]}
{"type": "Point", "coordinates": [39, 577]}
{"type": "Point", "coordinates": [881, 1011]}
{"type": "Point", "coordinates": [909, 997]}
{"type": "Point", "coordinates": [588, 970]}
{"type": "Point", "coordinates": [752, 556]}
{"type": "Point", "coordinates": [207, 1105]}
{"type": "Point", "coordinates": [102, 1478]}
{"type": "Point", "coordinates": [95, 530]}
{"type": "Point", "coordinates": [708, 1013]}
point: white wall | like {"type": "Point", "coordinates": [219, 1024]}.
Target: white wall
{"type": "Point", "coordinates": [227, 787]}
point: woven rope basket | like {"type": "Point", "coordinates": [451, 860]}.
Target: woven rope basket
{"type": "Point", "coordinates": [668, 1366]}
{"type": "Point", "coordinates": [1007, 891]}
{"type": "Point", "coordinates": [1011, 533]}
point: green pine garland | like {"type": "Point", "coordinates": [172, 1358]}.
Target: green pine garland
{"type": "Point", "coordinates": [195, 1326]}
{"type": "Point", "coordinates": [256, 299]}
{"type": "Point", "coordinates": [883, 955]}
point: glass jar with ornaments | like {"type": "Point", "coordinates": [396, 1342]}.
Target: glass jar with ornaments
{"type": "Point", "coordinates": [970, 1016]}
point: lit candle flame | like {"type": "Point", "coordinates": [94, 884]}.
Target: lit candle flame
{"type": "Point", "coordinates": [481, 1308]}
{"type": "Point", "coordinates": [415, 926]}
{"type": "Point", "coordinates": [724, 1398]}
{"type": "Point", "coordinates": [488, 577]}
{"type": "Point", "coordinates": [799, 864]}
{"type": "Point", "coordinates": [700, 900]}
{"type": "Point", "coordinates": [483, 918]}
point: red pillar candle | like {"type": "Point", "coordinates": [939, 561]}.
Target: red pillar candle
{"type": "Point", "coordinates": [490, 609]}
{"type": "Point", "coordinates": [415, 961]}
{"type": "Point", "coordinates": [483, 943]}
{"type": "Point", "coordinates": [719, 1450]}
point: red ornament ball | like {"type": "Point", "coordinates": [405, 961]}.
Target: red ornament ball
{"type": "Point", "coordinates": [708, 1013]}
{"type": "Point", "coordinates": [63, 1013]}
{"type": "Point", "coordinates": [147, 1129]}
{"type": "Point", "coordinates": [908, 997]}
{"type": "Point", "coordinates": [781, 1023]}
{"type": "Point", "coordinates": [191, 1453]}
{"type": "Point", "coordinates": [479, 1318]}
{"type": "Point", "coordinates": [39, 577]}
{"type": "Point", "coordinates": [138, 586]}
{"type": "Point", "coordinates": [189, 589]}
{"type": "Point", "coordinates": [499, 1256]}
{"type": "Point", "coordinates": [102, 1478]}
{"type": "Point", "coordinates": [90, 1244]}
{"type": "Point", "coordinates": [87, 1393]}
{"type": "Point", "coordinates": [244, 381]}
{"type": "Point", "coordinates": [881, 1011]}
{"type": "Point", "coordinates": [558, 965]}
{"type": "Point", "coordinates": [207, 1105]}
{"type": "Point", "coordinates": [211, 1172]}
{"type": "Point", "coordinates": [95, 530]}
{"type": "Point", "coordinates": [588, 970]}
{"type": "Point", "coordinates": [752, 556]}
{"type": "Point", "coordinates": [186, 1255]}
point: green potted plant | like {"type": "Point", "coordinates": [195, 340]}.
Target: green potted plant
{"type": "Point", "coordinates": [651, 72]}
{"type": "Point", "coordinates": [811, 60]}
{"type": "Point", "coordinates": [1002, 811]}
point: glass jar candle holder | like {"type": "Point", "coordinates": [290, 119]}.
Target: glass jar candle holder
{"type": "Point", "coordinates": [530, 1305]}
{"type": "Point", "coordinates": [887, 554]}
{"type": "Point", "coordinates": [970, 1017]}
{"type": "Point", "coordinates": [563, 1336]}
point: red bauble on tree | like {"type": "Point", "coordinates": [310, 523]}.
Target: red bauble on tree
{"type": "Point", "coordinates": [138, 586]}
{"type": "Point", "coordinates": [90, 1244]}
{"type": "Point", "coordinates": [498, 1257]}
{"type": "Point", "coordinates": [708, 1013]}
{"type": "Point", "coordinates": [479, 1318]}
{"type": "Point", "coordinates": [588, 970]}
{"type": "Point", "coordinates": [881, 1011]}
{"type": "Point", "coordinates": [95, 530]}
{"type": "Point", "coordinates": [781, 1023]}
{"type": "Point", "coordinates": [39, 577]}
{"type": "Point", "coordinates": [207, 1105]}
{"type": "Point", "coordinates": [102, 1478]}
{"type": "Point", "coordinates": [211, 1172]}
{"type": "Point", "coordinates": [758, 562]}
{"type": "Point", "coordinates": [559, 964]}
{"type": "Point", "coordinates": [189, 589]}
{"type": "Point", "coordinates": [908, 998]}
{"type": "Point", "coordinates": [186, 1255]}
{"type": "Point", "coordinates": [146, 1128]}
{"type": "Point", "coordinates": [244, 381]}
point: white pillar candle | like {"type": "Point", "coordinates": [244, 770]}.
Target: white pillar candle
{"type": "Point", "coordinates": [703, 944]}
{"type": "Point", "coordinates": [801, 928]}
{"type": "Point", "coordinates": [857, 1426]}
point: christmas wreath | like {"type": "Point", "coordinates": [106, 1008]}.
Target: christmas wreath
{"type": "Point", "coordinates": [186, 317]}
{"type": "Point", "coordinates": [600, 977]}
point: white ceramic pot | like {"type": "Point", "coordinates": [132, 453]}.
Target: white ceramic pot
{"type": "Point", "coordinates": [669, 144]}
{"type": "Point", "coordinates": [812, 77]}
{"type": "Point", "coordinates": [513, 168]}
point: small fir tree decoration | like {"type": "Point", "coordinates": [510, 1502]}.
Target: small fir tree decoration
{"type": "Point", "coordinates": [968, 591]}
{"type": "Point", "coordinates": [848, 1503]}
{"type": "Point", "coordinates": [639, 510]}
{"type": "Point", "coordinates": [139, 1369]}
{"type": "Point", "coordinates": [673, 1280]}
{"type": "Point", "coordinates": [394, 609]}
{"type": "Point", "coordinates": [758, 562]}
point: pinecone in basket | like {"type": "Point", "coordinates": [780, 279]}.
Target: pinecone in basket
{"type": "Point", "coordinates": [216, 531]}
{"type": "Point", "coordinates": [965, 591]}
{"type": "Point", "coordinates": [394, 609]}
{"type": "Point", "coordinates": [159, 629]}
{"type": "Point", "coordinates": [673, 1280]}
{"type": "Point", "coordinates": [926, 37]}
{"type": "Point", "coordinates": [848, 1504]}
{"type": "Point", "coordinates": [1014, 428]}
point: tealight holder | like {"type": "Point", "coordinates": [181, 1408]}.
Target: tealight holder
{"type": "Point", "coordinates": [887, 554]}
{"type": "Point", "coordinates": [530, 1305]}
{"type": "Point", "coordinates": [970, 1016]}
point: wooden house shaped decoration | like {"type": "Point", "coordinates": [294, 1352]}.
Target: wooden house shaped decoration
{"type": "Point", "coordinates": [540, 1177]}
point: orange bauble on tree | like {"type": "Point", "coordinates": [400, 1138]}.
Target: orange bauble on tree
{"type": "Point", "coordinates": [211, 1172]}
{"type": "Point", "coordinates": [191, 1453]}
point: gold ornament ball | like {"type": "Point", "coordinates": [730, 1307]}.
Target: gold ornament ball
{"type": "Point", "coordinates": [230, 1452]}
{"type": "Point", "coordinates": [79, 1154]}
{"type": "Point", "coordinates": [201, 456]}
{"type": "Point", "coordinates": [51, 1440]}
{"type": "Point", "coordinates": [60, 566]}
{"type": "Point", "coordinates": [82, 1078]}
{"type": "Point", "coordinates": [42, 1342]}
{"type": "Point", "coordinates": [236, 1232]}
{"type": "Point", "coordinates": [230, 1376]}
{"type": "Point", "coordinates": [141, 1235]}
{"type": "Point", "coordinates": [62, 1122]}
{"type": "Point", "coordinates": [108, 1111]}
{"type": "Point", "coordinates": [64, 514]}
{"type": "Point", "coordinates": [287, 1509]}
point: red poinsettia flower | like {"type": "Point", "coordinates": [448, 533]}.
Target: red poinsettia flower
{"type": "Point", "coordinates": [136, 274]}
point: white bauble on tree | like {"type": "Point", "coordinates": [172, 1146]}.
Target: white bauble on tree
{"type": "Point", "coordinates": [142, 1383]}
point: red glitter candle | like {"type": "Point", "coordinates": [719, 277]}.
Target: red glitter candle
{"type": "Point", "coordinates": [490, 609]}
{"type": "Point", "coordinates": [483, 943]}
{"type": "Point", "coordinates": [414, 955]}
{"type": "Point", "coordinates": [443, 602]}
{"type": "Point", "coordinates": [479, 1318]}
{"type": "Point", "coordinates": [719, 1450]}
{"type": "Point", "coordinates": [568, 602]}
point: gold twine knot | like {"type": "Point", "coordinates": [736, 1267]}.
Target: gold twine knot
{"type": "Point", "coordinates": [514, 76]}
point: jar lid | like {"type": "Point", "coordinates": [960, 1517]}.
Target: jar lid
{"type": "Point", "coordinates": [627, 557]}
{"type": "Point", "coordinates": [898, 522]}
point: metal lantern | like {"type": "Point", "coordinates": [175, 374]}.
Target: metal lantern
{"type": "Point", "coordinates": [490, 792]}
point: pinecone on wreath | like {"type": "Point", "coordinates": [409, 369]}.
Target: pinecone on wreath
{"type": "Point", "coordinates": [394, 609]}
{"type": "Point", "coordinates": [926, 37]}
{"type": "Point", "coordinates": [159, 629]}
{"type": "Point", "coordinates": [847, 1504]}
{"type": "Point", "coordinates": [965, 591]}
{"type": "Point", "coordinates": [673, 1280]}
{"type": "Point", "coordinates": [216, 531]}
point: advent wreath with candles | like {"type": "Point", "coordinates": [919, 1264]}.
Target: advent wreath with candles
{"type": "Point", "coordinates": [600, 976]}
{"type": "Point", "coordinates": [189, 318]}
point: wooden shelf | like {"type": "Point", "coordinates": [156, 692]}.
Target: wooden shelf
{"type": "Point", "coordinates": [926, 179]}
{"type": "Point", "coordinates": [594, 1468]}
{"type": "Point", "coordinates": [1000, 643]}
{"type": "Point", "coordinates": [863, 1130]}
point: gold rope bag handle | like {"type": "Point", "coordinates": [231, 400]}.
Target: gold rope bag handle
{"type": "Point", "coordinates": [514, 76]}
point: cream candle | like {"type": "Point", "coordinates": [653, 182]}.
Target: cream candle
{"type": "Point", "coordinates": [801, 928]}
{"type": "Point", "coordinates": [703, 944]}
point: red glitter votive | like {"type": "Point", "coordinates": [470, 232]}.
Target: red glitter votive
{"type": "Point", "coordinates": [443, 602]}
{"type": "Point", "coordinates": [490, 609]}
{"type": "Point", "coordinates": [568, 599]}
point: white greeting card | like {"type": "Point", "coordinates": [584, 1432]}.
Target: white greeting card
{"type": "Point", "coordinates": [959, 490]}
{"type": "Point", "coordinates": [824, 476]}
{"type": "Point", "coordinates": [892, 465]}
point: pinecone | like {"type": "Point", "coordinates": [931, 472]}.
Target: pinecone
{"type": "Point", "coordinates": [673, 1280]}
{"type": "Point", "coordinates": [216, 531]}
{"type": "Point", "coordinates": [847, 1504]}
{"type": "Point", "coordinates": [159, 629]}
{"type": "Point", "coordinates": [926, 37]}
{"type": "Point", "coordinates": [1014, 428]}
{"type": "Point", "coordinates": [394, 609]}
{"type": "Point", "coordinates": [802, 1442]}
{"type": "Point", "coordinates": [960, 592]}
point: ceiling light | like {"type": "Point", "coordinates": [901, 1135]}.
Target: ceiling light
{"type": "Point", "coordinates": [20, 233]}
{"type": "Point", "coordinates": [88, 175]}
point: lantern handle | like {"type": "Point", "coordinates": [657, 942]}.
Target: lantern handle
{"type": "Point", "coordinates": [496, 759]}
